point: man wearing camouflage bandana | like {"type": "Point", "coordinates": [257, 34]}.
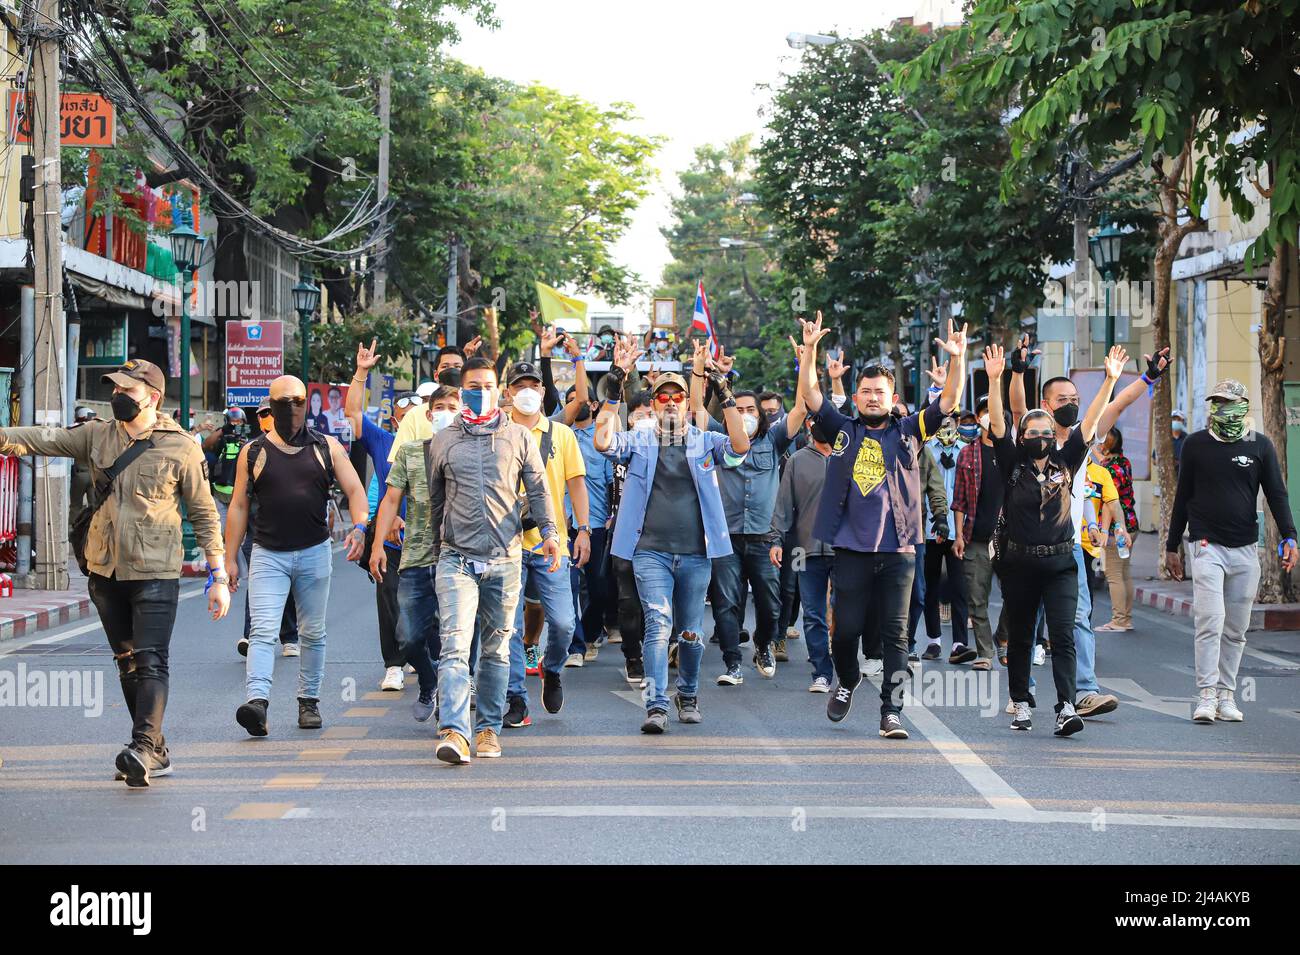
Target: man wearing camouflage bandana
{"type": "Point", "coordinates": [1222, 471]}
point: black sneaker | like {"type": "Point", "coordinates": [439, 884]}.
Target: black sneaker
{"type": "Point", "coordinates": [552, 692]}
{"type": "Point", "coordinates": [688, 709]}
{"type": "Point", "coordinates": [912, 657]}
{"type": "Point", "coordinates": [732, 676]}
{"type": "Point", "coordinates": [252, 717]}
{"type": "Point", "coordinates": [517, 713]}
{"type": "Point", "coordinates": [308, 714]}
{"type": "Point", "coordinates": [136, 763]}
{"type": "Point", "coordinates": [744, 636]}
{"type": "Point", "coordinates": [656, 721]}
{"type": "Point", "coordinates": [162, 765]}
{"type": "Point", "coordinates": [1022, 719]}
{"type": "Point", "coordinates": [424, 705]}
{"type": "Point", "coordinates": [764, 663]}
{"type": "Point", "coordinates": [242, 646]}
{"type": "Point", "coordinates": [962, 654]}
{"type": "Point", "coordinates": [891, 727]}
{"type": "Point", "coordinates": [841, 701]}
{"type": "Point", "coordinates": [634, 671]}
{"type": "Point", "coordinates": [932, 652]}
{"type": "Point", "coordinates": [1068, 721]}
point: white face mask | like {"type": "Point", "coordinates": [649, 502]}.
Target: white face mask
{"type": "Point", "coordinates": [984, 421]}
{"type": "Point", "coordinates": [441, 419]}
{"type": "Point", "coordinates": [644, 424]}
{"type": "Point", "coordinates": [751, 424]}
{"type": "Point", "coordinates": [528, 401]}
{"type": "Point", "coordinates": [838, 400]}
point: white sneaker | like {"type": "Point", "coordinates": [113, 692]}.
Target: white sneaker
{"type": "Point", "coordinates": [820, 685]}
{"type": "Point", "coordinates": [408, 669]}
{"type": "Point", "coordinates": [1021, 717]}
{"type": "Point", "coordinates": [874, 667]}
{"type": "Point", "coordinates": [393, 679]}
{"type": "Point", "coordinates": [573, 660]}
{"type": "Point", "coordinates": [290, 650]}
{"type": "Point", "coordinates": [1228, 710]}
{"type": "Point", "coordinates": [1040, 655]}
{"type": "Point", "coordinates": [1207, 707]}
{"type": "Point", "coordinates": [792, 633]}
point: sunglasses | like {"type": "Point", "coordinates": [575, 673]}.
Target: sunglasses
{"type": "Point", "coordinates": [264, 413]}
{"type": "Point", "coordinates": [676, 399]}
{"type": "Point", "coordinates": [410, 401]}
{"type": "Point", "coordinates": [297, 401]}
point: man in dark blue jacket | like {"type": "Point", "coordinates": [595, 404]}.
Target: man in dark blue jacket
{"type": "Point", "coordinates": [870, 513]}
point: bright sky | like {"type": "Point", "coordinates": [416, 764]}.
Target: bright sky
{"type": "Point", "coordinates": [691, 69]}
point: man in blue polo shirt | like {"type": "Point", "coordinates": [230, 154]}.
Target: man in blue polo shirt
{"type": "Point", "coordinates": [378, 443]}
{"type": "Point", "coordinates": [870, 513]}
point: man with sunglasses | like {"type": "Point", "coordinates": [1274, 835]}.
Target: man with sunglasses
{"type": "Point", "coordinates": [380, 447]}
{"type": "Point", "coordinates": [671, 522]}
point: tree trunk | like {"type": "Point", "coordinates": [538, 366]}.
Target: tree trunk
{"type": "Point", "coordinates": [1275, 586]}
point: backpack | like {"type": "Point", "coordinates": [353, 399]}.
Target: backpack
{"type": "Point", "coordinates": [525, 518]}
{"type": "Point", "coordinates": [320, 447]}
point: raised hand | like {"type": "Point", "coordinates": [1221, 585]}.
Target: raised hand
{"type": "Point", "coordinates": [548, 338]}
{"type": "Point", "coordinates": [955, 343]}
{"type": "Point", "coordinates": [724, 361]}
{"type": "Point", "coordinates": [571, 346]}
{"type": "Point", "coordinates": [472, 346]}
{"type": "Point", "coordinates": [626, 354]}
{"type": "Point", "coordinates": [938, 373]}
{"type": "Point", "coordinates": [700, 360]}
{"type": "Point", "coordinates": [1020, 355]}
{"type": "Point", "coordinates": [1115, 362]}
{"type": "Point", "coordinates": [995, 362]}
{"type": "Point", "coordinates": [367, 358]}
{"type": "Point", "coordinates": [1157, 363]}
{"type": "Point", "coordinates": [835, 367]}
{"type": "Point", "coordinates": [813, 332]}
{"type": "Point", "coordinates": [533, 323]}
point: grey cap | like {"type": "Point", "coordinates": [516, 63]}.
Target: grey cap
{"type": "Point", "coordinates": [1230, 390]}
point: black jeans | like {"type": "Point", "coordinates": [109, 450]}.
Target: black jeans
{"type": "Point", "coordinates": [597, 575]}
{"type": "Point", "coordinates": [937, 555]}
{"type": "Point", "coordinates": [631, 622]}
{"type": "Point", "coordinates": [873, 588]}
{"type": "Point", "coordinates": [789, 586]}
{"type": "Point", "coordinates": [386, 599]}
{"type": "Point", "coordinates": [138, 616]}
{"type": "Point", "coordinates": [1027, 581]}
{"type": "Point", "coordinates": [750, 560]}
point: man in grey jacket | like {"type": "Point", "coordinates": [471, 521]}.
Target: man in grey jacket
{"type": "Point", "coordinates": [796, 508]}
{"type": "Point", "coordinates": [475, 466]}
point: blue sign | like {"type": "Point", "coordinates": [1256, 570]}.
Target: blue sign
{"type": "Point", "coordinates": [246, 397]}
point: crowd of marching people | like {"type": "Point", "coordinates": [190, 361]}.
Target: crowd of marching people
{"type": "Point", "coordinates": [513, 532]}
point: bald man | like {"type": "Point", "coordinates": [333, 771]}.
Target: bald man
{"type": "Point", "coordinates": [290, 469]}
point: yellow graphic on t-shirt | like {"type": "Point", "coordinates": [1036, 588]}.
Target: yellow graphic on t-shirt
{"type": "Point", "coordinates": [869, 467]}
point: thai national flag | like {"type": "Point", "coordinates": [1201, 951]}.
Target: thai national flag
{"type": "Point", "coordinates": [703, 321]}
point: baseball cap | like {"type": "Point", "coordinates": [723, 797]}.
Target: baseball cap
{"type": "Point", "coordinates": [426, 389]}
{"type": "Point", "coordinates": [522, 369]}
{"type": "Point", "coordinates": [264, 404]}
{"type": "Point", "coordinates": [669, 378]}
{"type": "Point", "coordinates": [1229, 389]}
{"type": "Point", "coordinates": [981, 403]}
{"type": "Point", "coordinates": [137, 370]}
{"type": "Point", "coordinates": [1178, 413]}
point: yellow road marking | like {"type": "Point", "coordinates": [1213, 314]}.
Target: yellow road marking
{"type": "Point", "coordinates": [324, 755]}
{"type": "Point", "coordinates": [346, 732]}
{"type": "Point", "coordinates": [294, 781]}
{"type": "Point", "coordinates": [368, 711]}
{"type": "Point", "coordinates": [260, 810]}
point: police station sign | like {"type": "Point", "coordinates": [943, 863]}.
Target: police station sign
{"type": "Point", "coordinates": [254, 358]}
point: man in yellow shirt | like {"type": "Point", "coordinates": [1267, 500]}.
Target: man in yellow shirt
{"type": "Point", "coordinates": [565, 471]}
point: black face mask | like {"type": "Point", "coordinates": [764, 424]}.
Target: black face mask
{"type": "Point", "coordinates": [874, 420]}
{"type": "Point", "coordinates": [1037, 447]}
{"type": "Point", "coordinates": [125, 408]}
{"type": "Point", "coordinates": [289, 418]}
{"type": "Point", "coordinates": [1066, 415]}
{"type": "Point", "coordinates": [584, 414]}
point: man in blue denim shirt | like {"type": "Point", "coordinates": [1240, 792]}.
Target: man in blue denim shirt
{"type": "Point", "coordinates": [748, 497]}
{"type": "Point", "coordinates": [671, 523]}
{"type": "Point", "coordinates": [870, 512]}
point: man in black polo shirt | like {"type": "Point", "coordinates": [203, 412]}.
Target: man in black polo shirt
{"type": "Point", "coordinates": [870, 513]}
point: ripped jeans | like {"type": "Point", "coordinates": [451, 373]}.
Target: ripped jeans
{"type": "Point", "coordinates": [672, 589]}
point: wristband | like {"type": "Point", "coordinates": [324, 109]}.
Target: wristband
{"type": "Point", "coordinates": [613, 402]}
{"type": "Point", "coordinates": [729, 403]}
{"type": "Point", "coordinates": [1094, 526]}
{"type": "Point", "coordinates": [1281, 547]}
{"type": "Point", "coordinates": [359, 527]}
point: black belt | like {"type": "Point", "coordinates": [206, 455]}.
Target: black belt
{"type": "Point", "coordinates": [1039, 550]}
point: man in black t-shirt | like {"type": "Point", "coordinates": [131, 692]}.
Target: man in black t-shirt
{"type": "Point", "coordinates": [1219, 479]}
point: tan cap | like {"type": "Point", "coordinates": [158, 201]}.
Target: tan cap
{"type": "Point", "coordinates": [669, 378]}
{"type": "Point", "coordinates": [137, 370]}
{"type": "Point", "coordinates": [1230, 389]}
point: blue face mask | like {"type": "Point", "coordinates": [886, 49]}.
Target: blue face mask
{"type": "Point", "coordinates": [969, 432]}
{"type": "Point", "coordinates": [478, 401]}
{"type": "Point", "coordinates": [607, 339]}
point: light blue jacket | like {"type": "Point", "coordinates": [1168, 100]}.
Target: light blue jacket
{"type": "Point", "coordinates": [949, 482]}
{"type": "Point", "coordinates": [706, 452]}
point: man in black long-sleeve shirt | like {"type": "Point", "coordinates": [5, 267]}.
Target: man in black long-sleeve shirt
{"type": "Point", "coordinates": [1219, 478]}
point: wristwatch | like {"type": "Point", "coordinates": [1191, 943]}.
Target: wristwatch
{"type": "Point", "coordinates": [583, 527]}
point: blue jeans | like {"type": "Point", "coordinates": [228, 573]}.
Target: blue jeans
{"type": "Point", "coordinates": [813, 581]}
{"type": "Point", "coordinates": [1085, 641]}
{"type": "Point", "coordinates": [672, 589]}
{"type": "Point", "coordinates": [272, 576]}
{"type": "Point", "coordinates": [466, 595]}
{"type": "Point", "coordinates": [556, 595]}
{"type": "Point", "coordinates": [417, 623]}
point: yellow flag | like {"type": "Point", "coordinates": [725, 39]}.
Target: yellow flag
{"type": "Point", "coordinates": [556, 307]}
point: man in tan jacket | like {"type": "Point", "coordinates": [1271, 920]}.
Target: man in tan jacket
{"type": "Point", "coordinates": [133, 547]}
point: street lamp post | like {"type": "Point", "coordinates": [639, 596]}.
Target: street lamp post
{"type": "Point", "coordinates": [917, 329]}
{"type": "Point", "coordinates": [417, 350]}
{"type": "Point", "coordinates": [306, 296]}
{"type": "Point", "coordinates": [187, 247]}
{"type": "Point", "coordinates": [1104, 250]}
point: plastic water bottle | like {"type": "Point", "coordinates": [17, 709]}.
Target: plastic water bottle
{"type": "Point", "coordinates": [1122, 543]}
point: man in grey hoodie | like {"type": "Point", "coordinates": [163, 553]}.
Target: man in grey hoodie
{"type": "Point", "coordinates": [475, 466]}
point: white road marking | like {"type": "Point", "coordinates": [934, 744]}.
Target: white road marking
{"type": "Point", "coordinates": [1178, 707]}
{"type": "Point", "coordinates": [1274, 660]}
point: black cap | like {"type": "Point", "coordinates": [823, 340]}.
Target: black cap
{"type": "Point", "coordinates": [522, 369]}
{"type": "Point", "coordinates": [137, 369]}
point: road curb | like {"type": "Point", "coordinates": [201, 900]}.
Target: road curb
{"type": "Point", "coordinates": [1262, 617]}
{"type": "Point", "coordinates": [15, 624]}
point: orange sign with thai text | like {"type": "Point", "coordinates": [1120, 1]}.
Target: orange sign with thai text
{"type": "Point", "coordinates": [88, 119]}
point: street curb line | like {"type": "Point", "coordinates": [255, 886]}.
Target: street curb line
{"type": "Point", "coordinates": [17, 624]}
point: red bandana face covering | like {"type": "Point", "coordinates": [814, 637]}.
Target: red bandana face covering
{"type": "Point", "coordinates": [472, 418]}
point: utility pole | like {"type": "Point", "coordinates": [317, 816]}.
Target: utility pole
{"type": "Point", "coordinates": [385, 109]}
{"type": "Point", "coordinates": [453, 308]}
{"type": "Point", "coordinates": [51, 477]}
{"type": "Point", "coordinates": [1082, 291]}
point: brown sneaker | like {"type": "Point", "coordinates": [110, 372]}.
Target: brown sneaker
{"type": "Point", "coordinates": [1095, 704]}
{"type": "Point", "coordinates": [486, 745]}
{"type": "Point", "coordinates": [779, 651]}
{"type": "Point", "coordinates": [453, 748]}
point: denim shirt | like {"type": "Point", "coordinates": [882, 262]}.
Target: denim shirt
{"type": "Point", "coordinates": [600, 475]}
{"type": "Point", "coordinates": [749, 491]}
{"type": "Point", "coordinates": [900, 441]}
{"type": "Point", "coordinates": [706, 452]}
{"type": "Point", "coordinates": [949, 481]}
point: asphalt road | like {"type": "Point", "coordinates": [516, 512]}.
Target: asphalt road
{"type": "Point", "coordinates": [765, 777]}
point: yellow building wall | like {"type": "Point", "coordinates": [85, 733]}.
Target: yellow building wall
{"type": "Point", "coordinates": [11, 222]}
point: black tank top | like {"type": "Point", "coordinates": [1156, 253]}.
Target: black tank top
{"type": "Point", "coordinates": [292, 493]}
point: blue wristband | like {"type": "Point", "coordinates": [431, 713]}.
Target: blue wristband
{"type": "Point", "coordinates": [1281, 547]}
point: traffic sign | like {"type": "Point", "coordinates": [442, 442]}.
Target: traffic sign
{"type": "Point", "coordinates": [254, 358]}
